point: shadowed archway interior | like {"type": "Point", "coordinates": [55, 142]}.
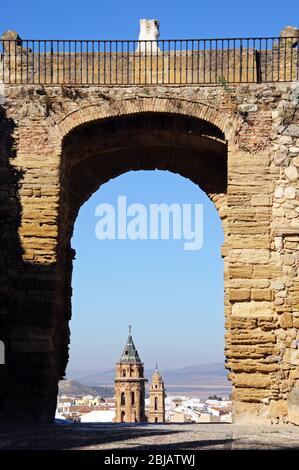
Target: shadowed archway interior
{"type": "Point", "coordinates": [94, 153]}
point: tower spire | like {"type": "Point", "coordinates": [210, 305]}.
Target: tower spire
{"type": "Point", "coordinates": [130, 353]}
{"type": "Point", "coordinates": [157, 366]}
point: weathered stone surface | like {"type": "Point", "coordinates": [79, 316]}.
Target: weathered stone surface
{"type": "Point", "coordinates": [239, 294]}
{"type": "Point", "coordinates": [247, 107]}
{"type": "Point", "coordinates": [267, 272]}
{"type": "Point", "coordinates": [257, 200]}
{"type": "Point", "coordinates": [252, 309]}
{"type": "Point", "coordinates": [243, 272]}
{"type": "Point", "coordinates": [294, 357]}
{"type": "Point", "coordinates": [253, 380]}
{"type": "Point", "coordinates": [277, 285]}
{"type": "Point", "coordinates": [242, 322]}
{"type": "Point", "coordinates": [278, 408]}
{"type": "Point", "coordinates": [292, 130]}
{"type": "Point", "coordinates": [68, 140]}
{"type": "Point", "coordinates": [250, 256]}
{"type": "Point", "coordinates": [286, 320]}
{"type": "Point", "coordinates": [261, 294]}
{"type": "Point", "coordinates": [291, 173]}
{"type": "Point", "coordinates": [293, 406]}
{"type": "Point", "coordinates": [254, 366]}
{"type": "Point", "coordinates": [290, 32]}
{"type": "Point", "coordinates": [251, 395]}
{"type": "Point", "coordinates": [251, 351]}
{"type": "Point", "coordinates": [290, 193]}
{"type": "Point", "coordinates": [252, 337]}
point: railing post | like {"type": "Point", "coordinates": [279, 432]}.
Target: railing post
{"type": "Point", "coordinates": [241, 63]}
{"type": "Point", "coordinates": [51, 62]}
{"type": "Point", "coordinates": [258, 66]}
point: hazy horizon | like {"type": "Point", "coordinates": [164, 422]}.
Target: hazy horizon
{"type": "Point", "coordinates": [73, 374]}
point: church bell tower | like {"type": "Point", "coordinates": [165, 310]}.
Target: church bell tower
{"type": "Point", "coordinates": [129, 385]}
{"type": "Point", "coordinates": [157, 398]}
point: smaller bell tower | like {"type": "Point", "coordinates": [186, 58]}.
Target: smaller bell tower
{"type": "Point", "coordinates": [157, 398]}
{"type": "Point", "coordinates": [130, 386]}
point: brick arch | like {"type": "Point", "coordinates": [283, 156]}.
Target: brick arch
{"type": "Point", "coordinates": [92, 138]}
{"type": "Point", "coordinates": [225, 122]}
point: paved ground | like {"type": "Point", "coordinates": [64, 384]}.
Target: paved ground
{"type": "Point", "coordinates": [150, 436]}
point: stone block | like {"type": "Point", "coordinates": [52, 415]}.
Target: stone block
{"type": "Point", "coordinates": [294, 357]}
{"type": "Point", "coordinates": [286, 320]}
{"type": "Point", "coordinates": [267, 271]}
{"type": "Point", "coordinates": [252, 309]}
{"type": "Point", "coordinates": [242, 322]}
{"type": "Point", "coordinates": [258, 200]}
{"type": "Point", "coordinates": [251, 351]}
{"type": "Point", "coordinates": [249, 366]}
{"type": "Point", "coordinates": [253, 380]}
{"type": "Point", "coordinates": [252, 337]}
{"type": "Point", "coordinates": [239, 294]}
{"type": "Point", "coordinates": [293, 405]}
{"type": "Point", "coordinates": [277, 408]}
{"type": "Point", "coordinates": [261, 294]}
{"type": "Point", "coordinates": [249, 256]}
{"type": "Point", "coordinates": [291, 173]}
{"type": "Point", "coordinates": [251, 395]}
{"type": "Point", "coordinates": [244, 272]}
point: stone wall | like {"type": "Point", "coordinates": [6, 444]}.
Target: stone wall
{"type": "Point", "coordinates": [239, 144]}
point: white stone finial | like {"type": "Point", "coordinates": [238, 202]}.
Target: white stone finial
{"type": "Point", "coordinates": [148, 36]}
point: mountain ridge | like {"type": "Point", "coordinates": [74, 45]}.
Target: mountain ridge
{"type": "Point", "coordinates": [197, 374]}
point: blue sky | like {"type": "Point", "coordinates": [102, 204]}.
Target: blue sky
{"type": "Point", "coordinates": [118, 19]}
{"type": "Point", "coordinates": [173, 298]}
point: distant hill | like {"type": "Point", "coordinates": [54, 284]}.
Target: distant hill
{"type": "Point", "coordinates": [73, 387]}
{"type": "Point", "coordinates": [199, 374]}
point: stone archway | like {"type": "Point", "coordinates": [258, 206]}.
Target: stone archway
{"type": "Point", "coordinates": [94, 152]}
{"type": "Point", "coordinates": [67, 143]}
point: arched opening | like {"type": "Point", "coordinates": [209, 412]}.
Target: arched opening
{"type": "Point", "coordinates": [133, 398]}
{"type": "Point", "coordinates": [123, 416]}
{"type": "Point", "coordinates": [94, 153]}
{"type": "Point", "coordinates": [156, 403]}
{"type": "Point", "coordinates": [122, 399]}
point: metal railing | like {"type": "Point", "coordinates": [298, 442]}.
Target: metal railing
{"type": "Point", "coordinates": [168, 62]}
